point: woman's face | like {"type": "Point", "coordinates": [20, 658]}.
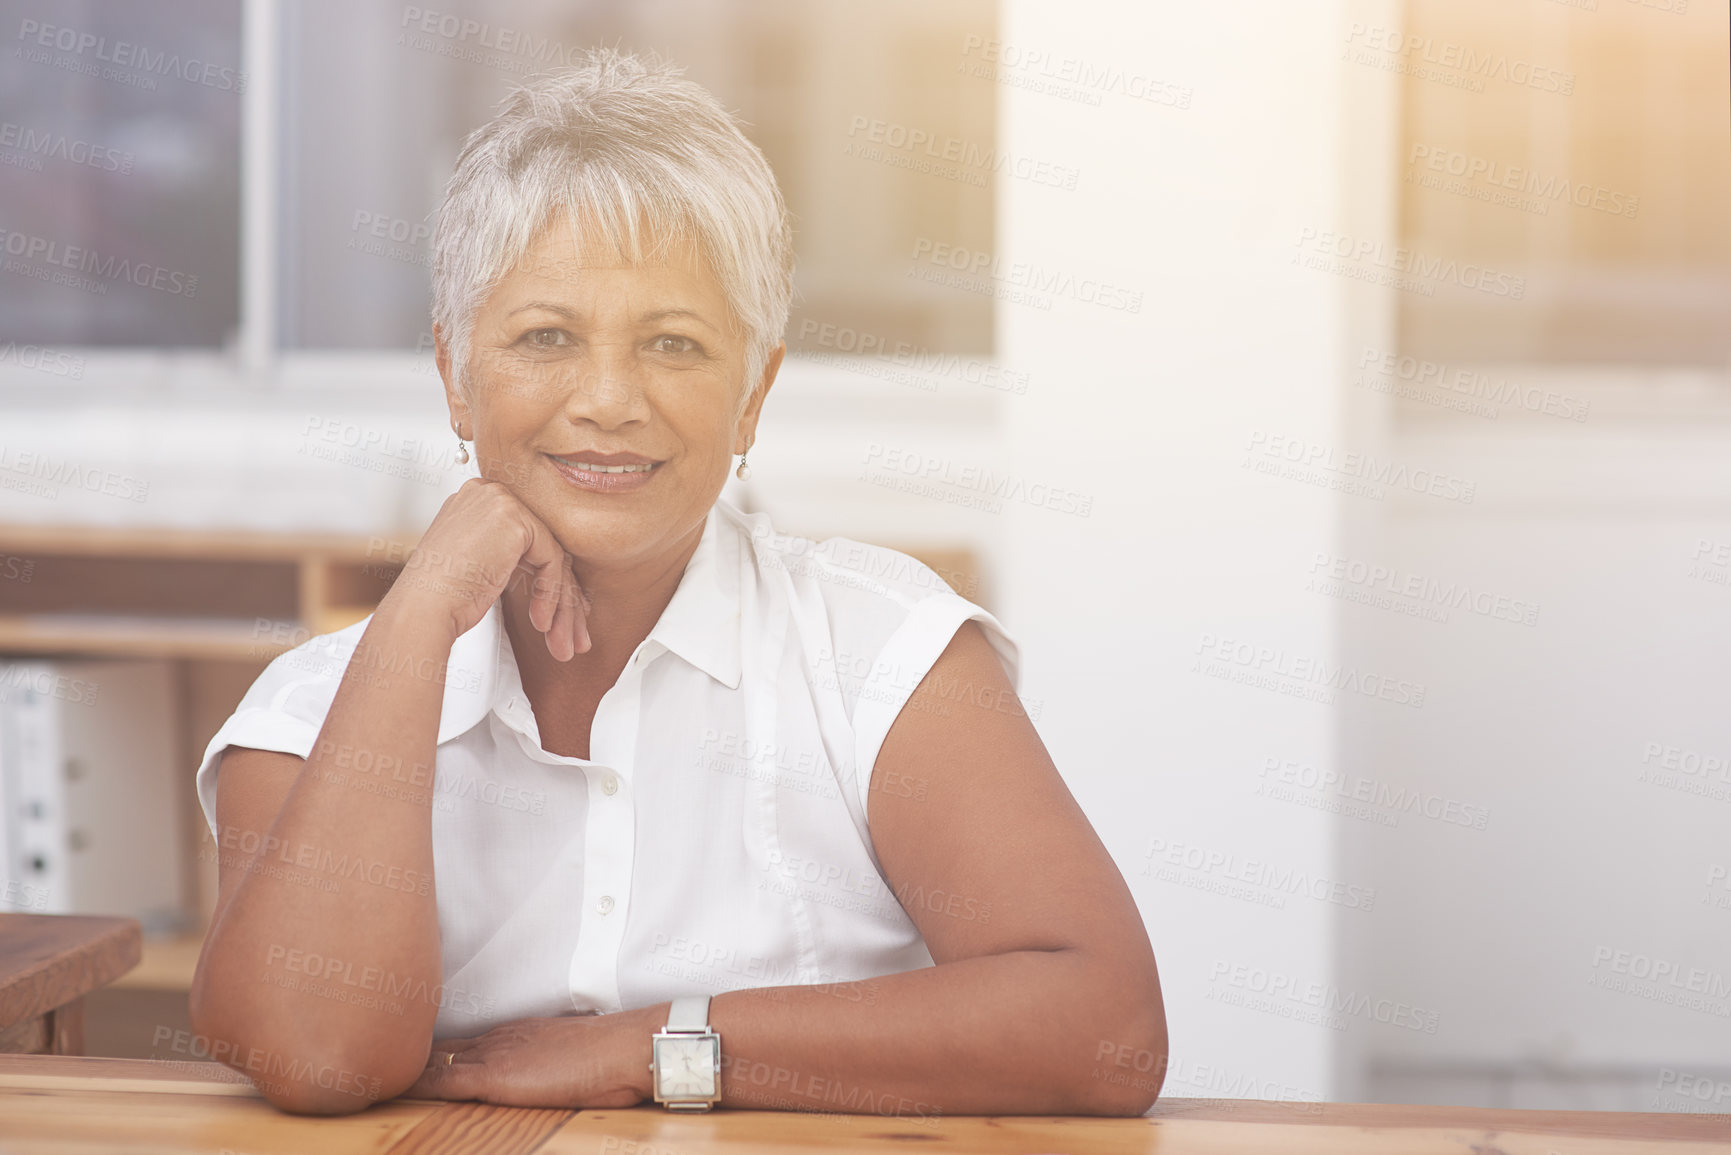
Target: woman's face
{"type": "Point", "coordinates": [579, 361]}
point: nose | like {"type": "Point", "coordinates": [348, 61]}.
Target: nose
{"type": "Point", "coordinates": [608, 389]}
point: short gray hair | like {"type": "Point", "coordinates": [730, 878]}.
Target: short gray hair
{"type": "Point", "coordinates": [624, 145]}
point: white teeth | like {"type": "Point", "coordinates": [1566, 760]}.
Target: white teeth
{"type": "Point", "coordinates": [588, 468]}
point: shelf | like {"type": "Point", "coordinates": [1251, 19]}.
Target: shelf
{"type": "Point", "coordinates": [224, 545]}
{"type": "Point", "coordinates": [189, 594]}
{"type": "Point", "coordinates": [138, 636]}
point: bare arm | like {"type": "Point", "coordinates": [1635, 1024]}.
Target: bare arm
{"type": "Point", "coordinates": [320, 971]}
{"type": "Point", "coordinates": [290, 917]}
{"type": "Point", "coordinates": [1045, 998]}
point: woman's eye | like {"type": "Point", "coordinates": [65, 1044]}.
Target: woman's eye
{"type": "Point", "coordinates": [672, 344]}
{"type": "Point", "coordinates": [545, 338]}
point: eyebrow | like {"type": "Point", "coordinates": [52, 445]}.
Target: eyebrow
{"type": "Point", "coordinates": [547, 305]}
{"type": "Point", "coordinates": [647, 318]}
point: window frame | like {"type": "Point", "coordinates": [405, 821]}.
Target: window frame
{"type": "Point", "coordinates": [254, 363]}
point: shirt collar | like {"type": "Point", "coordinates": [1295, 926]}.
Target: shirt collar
{"type": "Point", "coordinates": [701, 624]}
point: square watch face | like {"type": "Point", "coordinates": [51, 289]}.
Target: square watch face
{"type": "Point", "coordinates": [685, 1067]}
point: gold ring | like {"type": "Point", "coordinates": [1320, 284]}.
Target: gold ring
{"type": "Point", "coordinates": [450, 1057]}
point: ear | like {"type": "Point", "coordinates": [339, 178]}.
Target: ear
{"type": "Point", "coordinates": [745, 430]}
{"type": "Point", "coordinates": [454, 401]}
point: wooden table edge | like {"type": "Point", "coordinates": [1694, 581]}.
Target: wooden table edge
{"type": "Point", "coordinates": [110, 953]}
{"type": "Point", "coordinates": [157, 1076]}
{"type": "Point", "coordinates": [147, 1076]}
{"type": "Point", "coordinates": [1578, 1124]}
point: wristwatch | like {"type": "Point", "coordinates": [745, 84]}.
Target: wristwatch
{"type": "Point", "coordinates": [686, 1058]}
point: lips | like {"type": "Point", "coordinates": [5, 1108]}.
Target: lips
{"type": "Point", "coordinates": [590, 467]}
{"type": "Point", "coordinates": [605, 472]}
{"type": "Point", "coordinates": [606, 462]}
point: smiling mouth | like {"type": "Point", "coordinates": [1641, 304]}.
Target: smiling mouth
{"type": "Point", "coordinates": [595, 467]}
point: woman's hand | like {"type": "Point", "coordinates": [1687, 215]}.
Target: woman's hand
{"type": "Point", "coordinates": [482, 539]}
{"type": "Point", "coordinates": [573, 1061]}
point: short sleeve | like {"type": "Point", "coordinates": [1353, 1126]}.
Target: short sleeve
{"type": "Point", "coordinates": [260, 729]}
{"type": "Point", "coordinates": [283, 710]}
{"type": "Point", "coordinates": [906, 658]}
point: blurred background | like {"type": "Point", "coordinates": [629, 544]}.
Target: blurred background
{"type": "Point", "coordinates": [1342, 388]}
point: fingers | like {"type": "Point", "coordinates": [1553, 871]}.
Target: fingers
{"type": "Point", "coordinates": [462, 1078]}
{"type": "Point", "coordinates": [558, 607]}
{"type": "Point", "coordinates": [551, 574]}
{"type": "Point", "coordinates": [456, 1045]}
{"type": "Point", "coordinates": [569, 634]}
{"type": "Point", "coordinates": [580, 637]}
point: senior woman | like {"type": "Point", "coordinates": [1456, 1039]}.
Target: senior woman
{"type": "Point", "coordinates": [620, 796]}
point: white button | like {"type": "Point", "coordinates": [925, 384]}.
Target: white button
{"type": "Point", "coordinates": [610, 785]}
{"type": "Point", "coordinates": [605, 906]}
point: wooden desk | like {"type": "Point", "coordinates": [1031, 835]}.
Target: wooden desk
{"type": "Point", "coordinates": [48, 963]}
{"type": "Point", "coordinates": [54, 1104]}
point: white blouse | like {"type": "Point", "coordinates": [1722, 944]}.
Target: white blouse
{"type": "Point", "coordinates": [715, 839]}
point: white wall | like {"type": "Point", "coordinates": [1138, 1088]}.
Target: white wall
{"type": "Point", "coordinates": [1199, 208]}
{"type": "Point", "coordinates": [1599, 524]}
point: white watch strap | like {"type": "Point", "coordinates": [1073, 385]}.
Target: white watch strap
{"type": "Point", "coordinates": [689, 1013]}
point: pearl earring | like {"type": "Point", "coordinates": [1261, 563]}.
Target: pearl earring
{"type": "Point", "coordinates": [744, 470]}
{"type": "Point", "coordinates": [462, 452]}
